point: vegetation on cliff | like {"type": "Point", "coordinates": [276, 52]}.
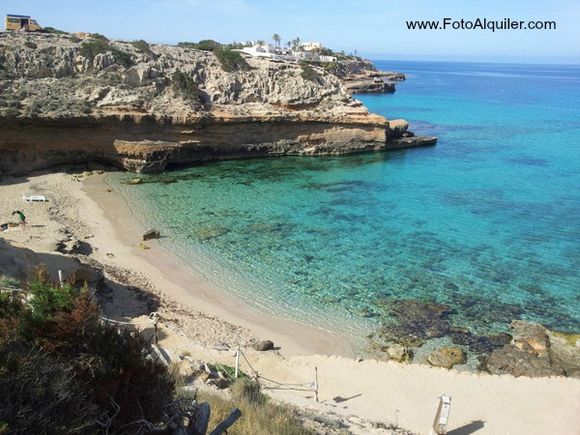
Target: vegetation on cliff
{"type": "Point", "coordinates": [231, 60]}
{"type": "Point", "coordinates": [62, 370]}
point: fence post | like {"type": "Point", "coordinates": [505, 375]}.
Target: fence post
{"type": "Point", "coordinates": [316, 383]}
{"type": "Point", "coordinates": [237, 362]}
{"type": "Point", "coordinates": [155, 317]}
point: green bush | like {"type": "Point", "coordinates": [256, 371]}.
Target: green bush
{"type": "Point", "coordinates": [308, 73]}
{"type": "Point", "coordinates": [62, 370]}
{"type": "Point", "coordinates": [143, 47]}
{"type": "Point", "coordinates": [90, 50]}
{"type": "Point", "coordinates": [48, 299]}
{"type": "Point", "coordinates": [184, 85]}
{"type": "Point", "coordinates": [231, 60]}
{"type": "Point", "coordinates": [55, 31]}
{"type": "Point", "coordinates": [204, 44]}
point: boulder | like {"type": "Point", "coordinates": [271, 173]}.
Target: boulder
{"type": "Point", "coordinates": [530, 337]}
{"type": "Point", "coordinates": [151, 234]}
{"type": "Point", "coordinates": [263, 346]}
{"type": "Point", "coordinates": [564, 351]}
{"type": "Point", "coordinates": [398, 127]}
{"type": "Point", "coordinates": [513, 361]}
{"type": "Point", "coordinates": [399, 353]}
{"type": "Point", "coordinates": [447, 357]}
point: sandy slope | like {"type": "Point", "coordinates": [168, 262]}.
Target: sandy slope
{"type": "Point", "coordinates": [200, 315]}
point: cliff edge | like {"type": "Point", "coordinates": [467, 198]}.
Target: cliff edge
{"type": "Point", "coordinates": [147, 107]}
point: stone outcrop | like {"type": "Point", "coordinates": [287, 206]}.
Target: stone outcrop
{"type": "Point", "coordinates": [537, 351]}
{"type": "Point", "coordinates": [447, 357]}
{"type": "Point", "coordinates": [169, 106]}
{"type": "Point", "coordinates": [362, 77]}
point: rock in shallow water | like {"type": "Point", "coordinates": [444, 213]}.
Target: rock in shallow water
{"type": "Point", "coordinates": [416, 321]}
{"type": "Point", "coordinates": [399, 353]}
{"type": "Point", "coordinates": [447, 357]}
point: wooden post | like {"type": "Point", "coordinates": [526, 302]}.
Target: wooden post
{"type": "Point", "coordinates": [237, 362]}
{"type": "Point", "coordinates": [155, 317]}
{"type": "Point", "coordinates": [225, 425]}
{"type": "Point", "coordinates": [316, 382]}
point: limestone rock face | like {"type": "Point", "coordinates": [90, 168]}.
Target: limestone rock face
{"type": "Point", "coordinates": [447, 357]}
{"type": "Point", "coordinates": [146, 111]}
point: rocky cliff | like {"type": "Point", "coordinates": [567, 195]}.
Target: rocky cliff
{"type": "Point", "coordinates": [147, 107]}
{"type": "Point", "coordinates": [361, 76]}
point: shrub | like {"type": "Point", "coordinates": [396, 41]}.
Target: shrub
{"type": "Point", "coordinates": [62, 369]}
{"type": "Point", "coordinates": [53, 30]}
{"type": "Point", "coordinates": [205, 44]}
{"type": "Point", "coordinates": [184, 85]}
{"type": "Point", "coordinates": [30, 44]}
{"type": "Point", "coordinates": [39, 393]}
{"type": "Point", "coordinates": [143, 47]}
{"type": "Point", "coordinates": [90, 50]}
{"type": "Point", "coordinates": [308, 73]}
{"type": "Point", "coordinates": [48, 299]}
{"type": "Point", "coordinates": [231, 60]}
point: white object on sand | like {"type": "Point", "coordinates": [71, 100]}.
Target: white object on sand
{"type": "Point", "coordinates": [34, 198]}
{"type": "Point", "coordinates": [442, 417]}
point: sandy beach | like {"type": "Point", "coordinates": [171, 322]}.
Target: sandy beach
{"type": "Point", "coordinates": [197, 317]}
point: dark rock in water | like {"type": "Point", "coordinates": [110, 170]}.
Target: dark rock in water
{"type": "Point", "coordinates": [412, 142]}
{"type": "Point", "coordinates": [447, 357]}
{"type": "Point", "coordinates": [479, 343]}
{"type": "Point", "coordinates": [151, 234]}
{"type": "Point", "coordinates": [415, 322]}
{"type": "Point", "coordinates": [263, 346]}
{"type": "Point", "coordinates": [513, 361]}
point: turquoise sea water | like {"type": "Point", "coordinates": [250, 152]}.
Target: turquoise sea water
{"type": "Point", "coordinates": [488, 221]}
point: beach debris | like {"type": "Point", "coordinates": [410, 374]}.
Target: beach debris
{"type": "Point", "coordinates": [134, 181]}
{"type": "Point", "coordinates": [143, 246]}
{"type": "Point", "coordinates": [263, 346]}
{"type": "Point", "coordinates": [151, 234]}
{"type": "Point", "coordinates": [447, 357]}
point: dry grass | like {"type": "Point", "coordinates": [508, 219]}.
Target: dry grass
{"type": "Point", "coordinates": [259, 415]}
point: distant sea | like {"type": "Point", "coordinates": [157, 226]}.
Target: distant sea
{"type": "Point", "coordinates": [487, 221]}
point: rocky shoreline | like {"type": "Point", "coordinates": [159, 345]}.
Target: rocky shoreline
{"type": "Point", "coordinates": [529, 349]}
{"type": "Point", "coordinates": [65, 100]}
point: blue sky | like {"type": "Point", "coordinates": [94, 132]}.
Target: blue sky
{"type": "Point", "coordinates": [376, 28]}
